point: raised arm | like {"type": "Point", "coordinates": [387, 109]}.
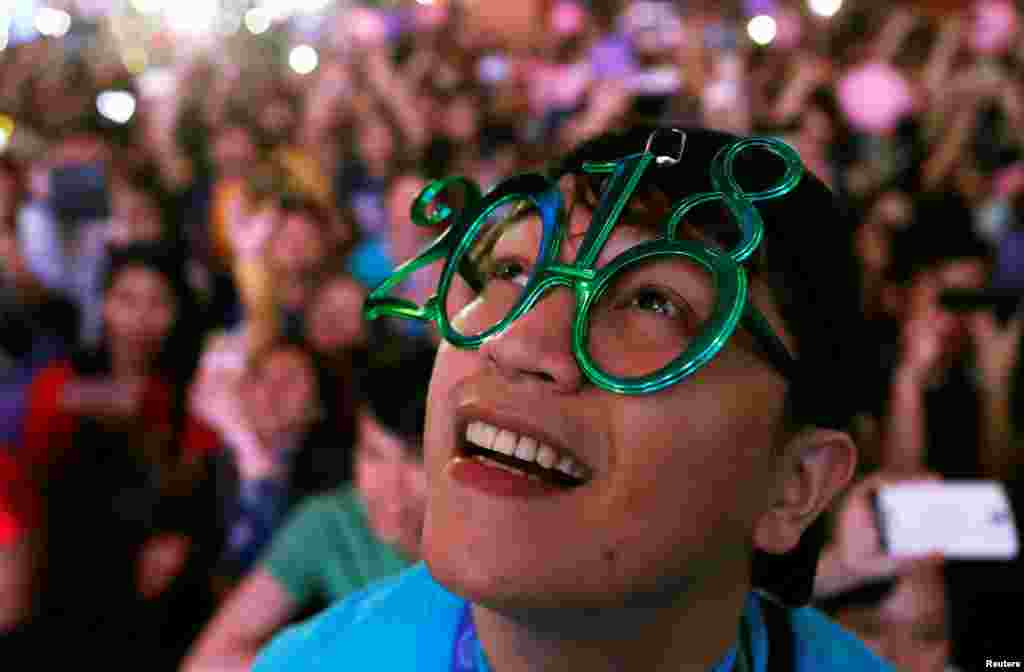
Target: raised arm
{"type": "Point", "coordinates": [247, 619]}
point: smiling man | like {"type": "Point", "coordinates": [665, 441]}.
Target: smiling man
{"type": "Point", "coordinates": [632, 425]}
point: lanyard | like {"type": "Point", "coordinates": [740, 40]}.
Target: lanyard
{"type": "Point", "coordinates": [469, 656]}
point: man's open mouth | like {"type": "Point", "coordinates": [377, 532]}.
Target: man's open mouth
{"type": "Point", "coordinates": [522, 454]}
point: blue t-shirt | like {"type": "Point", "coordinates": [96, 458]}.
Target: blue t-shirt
{"type": "Point", "coordinates": [410, 622]}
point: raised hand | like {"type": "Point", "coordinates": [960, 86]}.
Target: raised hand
{"type": "Point", "coordinates": [996, 348]}
{"type": "Point", "coordinates": [856, 555]}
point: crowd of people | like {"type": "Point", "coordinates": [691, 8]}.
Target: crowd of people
{"type": "Point", "coordinates": [201, 440]}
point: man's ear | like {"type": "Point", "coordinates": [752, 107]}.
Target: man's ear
{"type": "Point", "coordinates": [815, 467]}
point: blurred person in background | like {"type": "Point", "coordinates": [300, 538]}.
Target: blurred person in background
{"type": "Point", "coordinates": [39, 325]}
{"type": "Point", "coordinates": [904, 620]}
{"type": "Point", "coordinates": [340, 341]}
{"type": "Point", "coordinates": [273, 456]}
{"type": "Point", "coordinates": [338, 542]}
{"type": "Point", "coordinates": [953, 385]}
{"type": "Point", "coordinates": [897, 605]}
{"type": "Point", "coordinates": [123, 471]}
{"type": "Point", "coordinates": [948, 362]}
{"type": "Point", "coordinates": [205, 209]}
{"type": "Point", "coordinates": [62, 227]}
{"type": "Point", "coordinates": [297, 257]}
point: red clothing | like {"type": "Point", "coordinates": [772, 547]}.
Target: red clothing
{"type": "Point", "coordinates": [49, 429]}
{"type": "Point", "coordinates": [17, 506]}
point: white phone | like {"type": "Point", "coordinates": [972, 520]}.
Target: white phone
{"type": "Point", "coordinates": [961, 519]}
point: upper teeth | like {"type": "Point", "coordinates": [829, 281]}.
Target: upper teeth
{"type": "Point", "coordinates": [523, 447]}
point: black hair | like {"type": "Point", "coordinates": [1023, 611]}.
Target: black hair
{"type": "Point", "coordinates": [394, 387]}
{"type": "Point", "coordinates": [942, 231]}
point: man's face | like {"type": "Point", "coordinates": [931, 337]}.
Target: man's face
{"type": "Point", "coordinates": [678, 479]}
{"type": "Point", "coordinates": [297, 254]}
{"type": "Point", "coordinates": [391, 481]}
{"type": "Point", "coordinates": [139, 310]}
{"type": "Point", "coordinates": [233, 152]}
{"type": "Point", "coordinates": [281, 393]}
{"type": "Point", "coordinates": [334, 322]}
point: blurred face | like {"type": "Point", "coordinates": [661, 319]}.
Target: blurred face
{"type": "Point", "coordinates": [376, 143]}
{"type": "Point", "coordinates": [392, 483]}
{"type": "Point", "coordinates": [924, 297]}
{"type": "Point", "coordinates": [136, 217]}
{"type": "Point", "coordinates": [233, 152]}
{"type": "Point", "coordinates": [281, 393]}
{"type": "Point", "coordinates": [462, 119]}
{"type": "Point", "coordinates": [297, 253]}
{"type": "Point", "coordinates": [674, 481]}
{"type": "Point", "coordinates": [909, 627]}
{"type": "Point", "coordinates": [993, 24]}
{"type": "Point", "coordinates": [335, 321]}
{"type": "Point", "coordinates": [278, 118]}
{"type": "Point", "coordinates": [139, 310]}
{"type": "Point", "coordinates": [891, 212]}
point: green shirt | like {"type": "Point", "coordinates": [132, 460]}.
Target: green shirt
{"type": "Point", "coordinates": [327, 550]}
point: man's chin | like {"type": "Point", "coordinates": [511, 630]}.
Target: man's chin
{"type": "Point", "coordinates": [509, 591]}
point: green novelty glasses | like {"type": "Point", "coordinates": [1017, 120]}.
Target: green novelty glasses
{"type": "Point", "coordinates": [646, 319]}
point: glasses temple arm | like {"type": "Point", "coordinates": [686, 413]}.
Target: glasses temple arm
{"type": "Point", "coordinates": [769, 342]}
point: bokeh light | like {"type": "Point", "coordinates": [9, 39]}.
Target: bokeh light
{"type": "Point", "coordinates": [6, 131]}
{"type": "Point", "coordinates": [762, 29]}
{"type": "Point", "coordinates": [193, 17]}
{"type": "Point", "coordinates": [147, 6]}
{"type": "Point", "coordinates": [313, 6]}
{"type": "Point", "coordinates": [117, 106]}
{"type": "Point", "coordinates": [303, 59]}
{"type": "Point", "coordinates": [257, 20]}
{"type": "Point", "coordinates": [52, 22]}
{"type": "Point", "coordinates": [825, 8]}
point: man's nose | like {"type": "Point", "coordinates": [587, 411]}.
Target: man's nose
{"type": "Point", "coordinates": [538, 345]}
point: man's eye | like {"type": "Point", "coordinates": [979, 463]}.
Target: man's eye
{"type": "Point", "coordinates": [652, 300]}
{"type": "Point", "coordinates": [509, 270]}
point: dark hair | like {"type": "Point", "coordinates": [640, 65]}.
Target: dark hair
{"type": "Point", "coordinates": [808, 263]}
{"type": "Point", "coordinates": [394, 387]}
{"type": "Point", "coordinates": [180, 353]}
{"type": "Point", "coordinates": [942, 231]}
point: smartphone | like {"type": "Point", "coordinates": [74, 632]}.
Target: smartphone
{"type": "Point", "coordinates": [79, 192]}
{"type": "Point", "coordinates": [968, 520]}
{"type": "Point", "coordinates": [1005, 302]}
